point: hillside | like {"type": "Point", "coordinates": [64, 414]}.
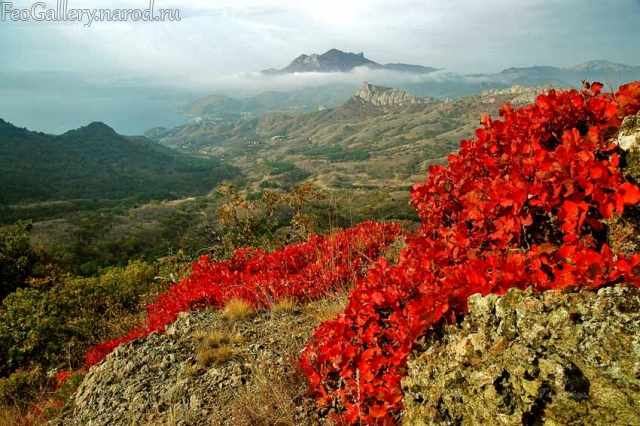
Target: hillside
{"type": "Point", "coordinates": [414, 79]}
{"type": "Point", "coordinates": [94, 162]}
{"type": "Point", "coordinates": [608, 72]}
{"type": "Point", "coordinates": [218, 108]}
{"type": "Point", "coordinates": [380, 138]}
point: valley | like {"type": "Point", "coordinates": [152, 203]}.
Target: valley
{"type": "Point", "coordinates": [379, 138]}
{"type": "Point", "coordinates": [155, 196]}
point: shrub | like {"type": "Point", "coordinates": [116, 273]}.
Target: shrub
{"type": "Point", "coordinates": [523, 205]}
{"type": "Point", "coordinates": [21, 386]}
{"type": "Point", "coordinates": [303, 271]}
{"type": "Point", "coordinates": [53, 324]}
{"type": "Point", "coordinates": [17, 258]}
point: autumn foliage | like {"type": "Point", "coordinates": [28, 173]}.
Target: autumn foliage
{"type": "Point", "coordinates": [523, 205]}
{"type": "Point", "coordinates": [299, 272]}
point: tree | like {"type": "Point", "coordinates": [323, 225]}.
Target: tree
{"type": "Point", "coordinates": [17, 257]}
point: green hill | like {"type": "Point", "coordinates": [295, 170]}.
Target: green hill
{"type": "Point", "coordinates": [96, 163]}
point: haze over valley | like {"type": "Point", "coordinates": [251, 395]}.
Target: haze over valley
{"type": "Point", "coordinates": [54, 102]}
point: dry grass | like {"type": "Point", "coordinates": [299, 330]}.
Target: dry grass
{"type": "Point", "coordinates": [392, 254]}
{"type": "Point", "coordinates": [215, 348]}
{"type": "Point", "coordinates": [189, 371]}
{"type": "Point", "coordinates": [12, 416]}
{"type": "Point", "coordinates": [211, 340]}
{"type": "Point", "coordinates": [273, 399]}
{"type": "Point", "coordinates": [167, 418]}
{"type": "Point", "coordinates": [238, 309]}
{"type": "Point", "coordinates": [285, 306]}
{"type": "Point", "coordinates": [327, 309]}
{"type": "Point", "coordinates": [216, 356]}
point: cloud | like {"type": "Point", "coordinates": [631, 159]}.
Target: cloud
{"type": "Point", "coordinates": [219, 38]}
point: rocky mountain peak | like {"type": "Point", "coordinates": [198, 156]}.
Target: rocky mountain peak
{"type": "Point", "coordinates": [334, 60]}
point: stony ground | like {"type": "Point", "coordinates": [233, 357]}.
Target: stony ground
{"type": "Point", "coordinates": [207, 369]}
{"type": "Point", "coordinates": [548, 358]}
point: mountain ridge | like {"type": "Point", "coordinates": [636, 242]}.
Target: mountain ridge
{"type": "Point", "coordinates": [334, 60]}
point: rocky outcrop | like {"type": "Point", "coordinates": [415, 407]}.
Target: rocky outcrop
{"type": "Point", "coordinates": [521, 95]}
{"type": "Point", "coordinates": [168, 379]}
{"type": "Point", "coordinates": [629, 141]}
{"type": "Point", "coordinates": [386, 96]}
{"type": "Point", "coordinates": [622, 231]}
{"type": "Point", "coordinates": [548, 358]}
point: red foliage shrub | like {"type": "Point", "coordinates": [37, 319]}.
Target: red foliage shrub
{"type": "Point", "coordinates": [301, 272]}
{"type": "Point", "coordinates": [628, 98]}
{"type": "Point", "coordinates": [521, 206]}
{"type": "Point", "coordinates": [62, 377]}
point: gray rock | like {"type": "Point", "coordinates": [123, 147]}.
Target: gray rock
{"type": "Point", "coordinates": [629, 141]}
{"type": "Point", "coordinates": [521, 95]}
{"type": "Point", "coordinates": [527, 358]}
{"type": "Point", "coordinates": [629, 135]}
{"type": "Point", "coordinates": [386, 96]}
{"type": "Point", "coordinates": [158, 380]}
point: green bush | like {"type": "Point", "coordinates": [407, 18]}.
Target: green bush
{"type": "Point", "coordinates": [17, 258]}
{"type": "Point", "coordinates": [21, 387]}
{"type": "Point", "coordinates": [280, 167]}
{"type": "Point", "coordinates": [349, 156]}
{"type": "Point", "coordinates": [323, 151]}
{"type": "Point", "coordinates": [54, 324]}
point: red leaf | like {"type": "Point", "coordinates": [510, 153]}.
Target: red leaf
{"type": "Point", "coordinates": [596, 87]}
{"type": "Point", "coordinates": [630, 193]}
{"type": "Point", "coordinates": [377, 411]}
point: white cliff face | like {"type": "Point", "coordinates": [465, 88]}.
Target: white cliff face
{"type": "Point", "coordinates": [628, 140]}
{"type": "Point", "coordinates": [386, 96]}
{"type": "Point", "coordinates": [629, 136]}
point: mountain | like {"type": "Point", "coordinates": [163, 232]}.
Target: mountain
{"type": "Point", "coordinates": [331, 61]}
{"type": "Point", "coordinates": [444, 84]}
{"type": "Point", "coordinates": [603, 66]}
{"type": "Point", "coordinates": [335, 60]}
{"type": "Point", "coordinates": [224, 108]}
{"type": "Point", "coordinates": [94, 162]}
{"type": "Point", "coordinates": [604, 71]}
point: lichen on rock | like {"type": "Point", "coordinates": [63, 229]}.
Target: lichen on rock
{"type": "Point", "coordinates": [552, 358]}
{"type": "Point", "coordinates": [161, 381]}
{"type": "Point", "coordinates": [628, 140]}
{"type": "Point", "coordinates": [622, 231]}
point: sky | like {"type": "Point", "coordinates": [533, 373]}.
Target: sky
{"type": "Point", "coordinates": [227, 37]}
{"type": "Point", "coordinates": [133, 75]}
